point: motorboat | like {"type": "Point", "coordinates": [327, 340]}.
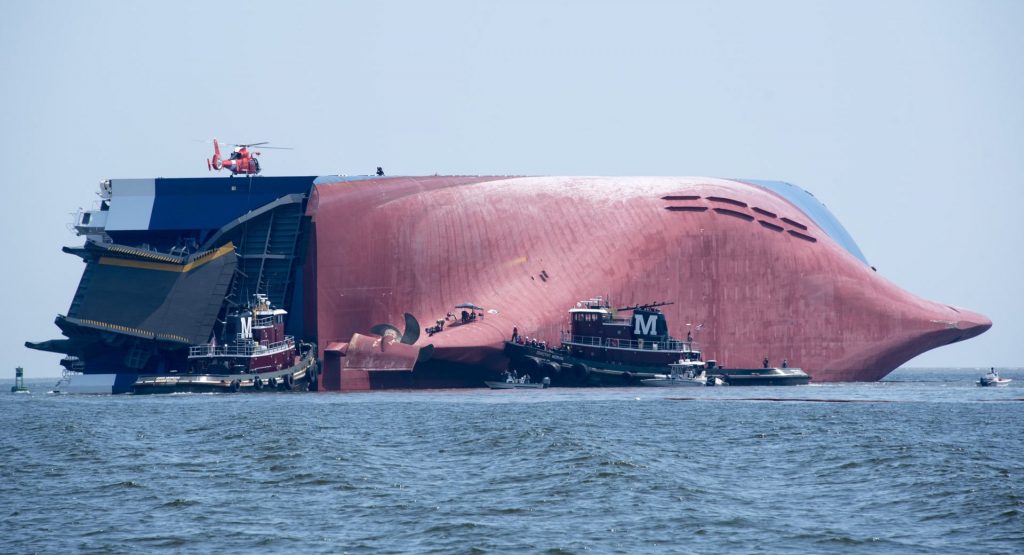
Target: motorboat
{"type": "Point", "coordinates": [684, 373]}
{"type": "Point", "coordinates": [519, 382]}
{"type": "Point", "coordinates": [992, 379]}
{"type": "Point", "coordinates": [765, 376]}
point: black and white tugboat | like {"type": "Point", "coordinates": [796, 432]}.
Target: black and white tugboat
{"type": "Point", "coordinates": [601, 348]}
{"type": "Point", "coordinates": [254, 355]}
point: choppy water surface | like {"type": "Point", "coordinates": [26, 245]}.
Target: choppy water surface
{"type": "Point", "coordinates": [924, 462]}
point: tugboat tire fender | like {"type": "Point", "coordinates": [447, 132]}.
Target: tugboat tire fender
{"type": "Point", "coordinates": [235, 385]}
{"type": "Point", "coordinates": [580, 370]}
{"type": "Point", "coordinates": [531, 364]}
{"type": "Point", "coordinates": [286, 382]}
{"type": "Point", "coordinates": [257, 383]}
{"type": "Point", "coordinates": [551, 369]}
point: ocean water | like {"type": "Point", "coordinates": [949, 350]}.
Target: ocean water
{"type": "Point", "coordinates": [922, 462]}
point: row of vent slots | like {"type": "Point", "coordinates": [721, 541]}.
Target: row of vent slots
{"type": "Point", "coordinates": [746, 217]}
{"type": "Point", "coordinates": [734, 202]}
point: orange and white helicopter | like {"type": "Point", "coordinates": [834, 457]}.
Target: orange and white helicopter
{"type": "Point", "coordinates": [241, 161]}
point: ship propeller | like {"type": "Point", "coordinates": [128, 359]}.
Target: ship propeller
{"type": "Point", "coordinates": [410, 336]}
{"type": "Point", "coordinates": [386, 330]}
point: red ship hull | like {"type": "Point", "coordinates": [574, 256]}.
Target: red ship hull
{"type": "Point", "coordinates": [760, 275]}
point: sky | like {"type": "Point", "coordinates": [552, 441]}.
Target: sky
{"type": "Point", "coordinates": [905, 118]}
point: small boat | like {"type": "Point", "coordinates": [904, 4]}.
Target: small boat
{"type": "Point", "coordinates": [765, 376]}
{"type": "Point", "coordinates": [524, 382]}
{"type": "Point", "coordinates": [685, 373]}
{"type": "Point", "coordinates": [992, 379]}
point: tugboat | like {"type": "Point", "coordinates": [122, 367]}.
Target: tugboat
{"type": "Point", "coordinates": [600, 348]}
{"type": "Point", "coordinates": [256, 356]}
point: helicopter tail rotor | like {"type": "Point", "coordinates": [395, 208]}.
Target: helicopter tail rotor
{"type": "Point", "coordinates": [215, 162]}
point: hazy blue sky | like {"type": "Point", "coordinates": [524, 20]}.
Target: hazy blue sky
{"type": "Point", "coordinates": [905, 118]}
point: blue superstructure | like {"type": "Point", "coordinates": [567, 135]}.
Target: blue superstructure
{"type": "Point", "coordinates": [202, 205]}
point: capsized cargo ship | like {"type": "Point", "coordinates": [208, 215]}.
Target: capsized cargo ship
{"type": "Point", "coordinates": [364, 266]}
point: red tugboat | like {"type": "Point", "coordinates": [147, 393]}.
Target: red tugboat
{"type": "Point", "coordinates": [256, 355]}
{"type": "Point", "coordinates": [603, 349]}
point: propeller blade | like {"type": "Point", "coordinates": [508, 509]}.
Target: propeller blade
{"type": "Point", "coordinates": [385, 330]}
{"type": "Point", "coordinates": [250, 144]}
{"type": "Point", "coordinates": [412, 330]}
{"type": "Point", "coordinates": [247, 145]}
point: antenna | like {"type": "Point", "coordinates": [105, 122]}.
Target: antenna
{"type": "Point", "coordinates": [646, 306]}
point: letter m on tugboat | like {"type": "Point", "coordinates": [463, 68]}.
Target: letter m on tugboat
{"type": "Point", "coordinates": [245, 327]}
{"type": "Point", "coordinates": [645, 327]}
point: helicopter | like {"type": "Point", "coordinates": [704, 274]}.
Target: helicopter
{"type": "Point", "coordinates": [241, 161]}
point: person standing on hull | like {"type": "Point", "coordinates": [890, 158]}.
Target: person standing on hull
{"type": "Point", "coordinates": [764, 363]}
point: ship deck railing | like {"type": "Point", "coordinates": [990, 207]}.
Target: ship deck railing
{"type": "Point", "coordinates": [248, 350]}
{"type": "Point", "coordinates": [630, 344]}
{"type": "Point", "coordinates": [262, 321]}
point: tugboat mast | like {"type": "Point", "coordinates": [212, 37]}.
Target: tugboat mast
{"type": "Point", "coordinates": [645, 306]}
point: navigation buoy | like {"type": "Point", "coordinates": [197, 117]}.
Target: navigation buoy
{"type": "Point", "coordinates": [19, 381]}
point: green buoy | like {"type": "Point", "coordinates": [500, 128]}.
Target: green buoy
{"type": "Point", "coordinates": [19, 381]}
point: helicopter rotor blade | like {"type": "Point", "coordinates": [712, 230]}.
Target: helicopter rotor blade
{"type": "Point", "coordinates": [245, 145]}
